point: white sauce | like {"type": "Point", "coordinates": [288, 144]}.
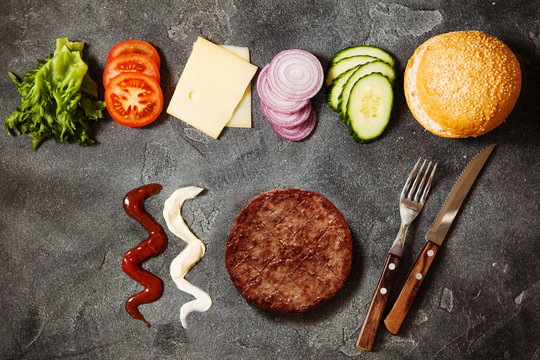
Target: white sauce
{"type": "Point", "coordinates": [172, 212]}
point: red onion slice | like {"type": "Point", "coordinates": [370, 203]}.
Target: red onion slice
{"type": "Point", "coordinates": [295, 74]}
{"type": "Point", "coordinates": [287, 121]}
{"type": "Point", "coordinates": [300, 132]}
{"type": "Point", "coordinates": [273, 101]}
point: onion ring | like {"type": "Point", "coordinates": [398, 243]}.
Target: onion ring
{"type": "Point", "coordinates": [300, 132]}
{"type": "Point", "coordinates": [273, 101]}
{"type": "Point", "coordinates": [287, 121]}
{"type": "Point", "coordinates": [295, 74]}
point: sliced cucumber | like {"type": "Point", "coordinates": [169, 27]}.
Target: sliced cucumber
{"type": "Point", "coordinates": [365, 51]}
{"type": "Point", "coordinates": [337, 86]}
{"type": "Point", "coordinates": [363, 70]}
{"type": "Point", "coordinates": [345, 64]}
{"type": "Point", "coordinates": [370, 105]}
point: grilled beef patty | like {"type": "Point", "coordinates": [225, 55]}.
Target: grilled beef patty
{"type": "Point", "coordinates": [289, 250]}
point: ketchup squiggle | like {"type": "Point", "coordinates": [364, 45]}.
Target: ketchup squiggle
{"type": "Point", "coordinates": [154, 245]}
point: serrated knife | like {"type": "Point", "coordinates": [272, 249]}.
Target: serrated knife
{"type": "Point", "coordinates": [434, 239]}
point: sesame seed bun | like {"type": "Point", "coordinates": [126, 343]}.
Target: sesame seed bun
{"type": "Point", "coordinates": [462, 83]}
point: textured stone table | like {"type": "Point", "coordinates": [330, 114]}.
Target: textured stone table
{"type": "Point", "coordinates": [64, 232]}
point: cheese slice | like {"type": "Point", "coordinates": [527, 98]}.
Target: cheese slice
{"type": "Point", "coordinates": [212, 84]}
{"type": "Point", "coordinates": [241, 117]}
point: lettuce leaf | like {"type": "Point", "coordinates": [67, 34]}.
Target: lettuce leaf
{"type": "Point", "coordinates": [57, 98]}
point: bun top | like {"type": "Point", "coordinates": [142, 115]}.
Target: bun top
{"type": "Point", "coordinates": [462, 83]}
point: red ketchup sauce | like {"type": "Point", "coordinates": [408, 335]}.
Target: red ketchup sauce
{"type": "Point", "coordinates": [154, 245]}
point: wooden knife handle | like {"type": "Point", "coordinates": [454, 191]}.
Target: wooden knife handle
{"type": "Point", "coordinates": [416, 277]}
{"type": "Point", "coordinates": [378, 303]}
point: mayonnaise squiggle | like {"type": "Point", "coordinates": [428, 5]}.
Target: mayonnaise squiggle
{"type": "Point", "coordinates": [172, 212]}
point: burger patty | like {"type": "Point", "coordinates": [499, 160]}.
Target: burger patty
{"type": "Point", "coordinates": [289, 250]}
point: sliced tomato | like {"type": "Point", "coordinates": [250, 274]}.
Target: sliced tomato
{"type": "Point", "coordinates": [133, 99]}
{"type": "Point", "coordinates": [130, 63]}
{"type": "Point", "coordinates": [134, 47]}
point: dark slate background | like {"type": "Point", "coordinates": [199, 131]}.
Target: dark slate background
{"type": "Point", "coordinates": [63, 229]}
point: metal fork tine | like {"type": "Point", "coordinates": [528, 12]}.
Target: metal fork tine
{"type": "Point", "coordinates": [410, 207]}
{"type": "Point", "coordinates": [421, 185]}
{"type": "Point", "coordinates": [415, 183]}
{"type": "Point", "coordinates": [409, 180]}
{"type": "Point", "coordinates": [428, 185]}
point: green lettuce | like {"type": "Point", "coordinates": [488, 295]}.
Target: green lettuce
{"type": "Point", "coordinates": [58, 98]}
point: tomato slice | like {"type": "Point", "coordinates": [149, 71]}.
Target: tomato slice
{"type": "Point", "coordinates": [133, 99]}
{"type": "Point", "coordinates": [130, 63]}
{"type": "Point", "coordinates": [136, 47]}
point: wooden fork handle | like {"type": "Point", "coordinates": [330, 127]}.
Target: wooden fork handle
{"type": "Point", "coordinates": [368, 331]}
{"type": "Point", "coordinates": [416, 277]}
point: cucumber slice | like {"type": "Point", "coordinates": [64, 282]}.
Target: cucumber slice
{"type": "Point", "coordinates": [363, 70]}
{"type": "Point", "coordinates": [345, 64]}
{"type": "Point", "coordinates": [363, 50]}
{"type": "Point", "coordinates": [370, 105]}
{"type": "Point", "coordinates": [337, 86]}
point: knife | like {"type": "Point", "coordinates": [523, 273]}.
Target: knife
{"type": "Point", "coordinates": [435, 237]}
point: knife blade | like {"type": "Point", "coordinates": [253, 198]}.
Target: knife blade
{"type": "Point", "coordinates": [434, 239]}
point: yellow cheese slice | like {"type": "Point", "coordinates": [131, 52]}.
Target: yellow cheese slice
{"type": "Point", "coordinates": [241, 117]}
{"type": "Point", "coordinates": [212, 84]}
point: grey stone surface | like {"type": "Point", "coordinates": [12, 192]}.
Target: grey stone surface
{"type": "Point", "coordinates": [64, 232]}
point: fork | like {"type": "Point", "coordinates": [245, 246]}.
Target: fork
{"type": "Point", "coordinates": [412, 200]}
